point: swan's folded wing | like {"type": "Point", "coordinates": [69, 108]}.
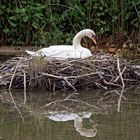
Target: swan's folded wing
{"type": "Point", "coordinates": [30, 52]}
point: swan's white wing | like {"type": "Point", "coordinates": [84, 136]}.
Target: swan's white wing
{"type": "Point", "coordinates": [84, 53]}
{"type": "Point", "coordinates": [30, 52]}
{"type": "Point", "coordinates": [60, 51]}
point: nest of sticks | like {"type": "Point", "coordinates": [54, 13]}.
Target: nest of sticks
{"type": "Point", "coordinates": [99, 71]}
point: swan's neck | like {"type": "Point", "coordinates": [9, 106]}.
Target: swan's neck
{"type": "Point", "coordinates": [77, 41]}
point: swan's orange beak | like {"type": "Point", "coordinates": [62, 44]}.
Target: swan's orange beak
{"type": "Point", "coordinates": [94, 39]}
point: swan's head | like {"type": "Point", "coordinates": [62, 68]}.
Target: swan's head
{"type": "Point", "coordinates": [87, 32]}
{"type": "Point", "coordinates": [91, 34]}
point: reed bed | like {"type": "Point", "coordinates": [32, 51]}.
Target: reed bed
{"type": "Point", "coordinates": [102, 70]}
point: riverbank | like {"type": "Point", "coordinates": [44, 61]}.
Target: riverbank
{"type": "Point", "coordinates": [16, 50]}
{"type": "Point", "coordinates": [7, 52]}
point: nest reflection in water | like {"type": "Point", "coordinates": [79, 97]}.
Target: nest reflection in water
{"type": "Point", "coordinates": [98, 102]}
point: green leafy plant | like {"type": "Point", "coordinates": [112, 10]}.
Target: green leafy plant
{"type": "Point", "coordinates": [43, 22]}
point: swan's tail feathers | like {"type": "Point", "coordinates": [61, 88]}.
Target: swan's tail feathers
{"type": "Point", "coordinates": [30, 52]}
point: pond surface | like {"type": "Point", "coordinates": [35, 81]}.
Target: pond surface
{"type": "Point", "coordinates": [68, 116]}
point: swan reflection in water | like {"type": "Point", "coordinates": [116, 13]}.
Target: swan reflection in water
{"type": "Point", "coordinates": [63, 116]}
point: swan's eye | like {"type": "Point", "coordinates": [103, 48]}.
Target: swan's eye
{"type": "Point", "coordinates": [93, 36]}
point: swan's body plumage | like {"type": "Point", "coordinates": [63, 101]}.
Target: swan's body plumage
{"type": "Point", "coordinates": [67, 51]}
{"type": "Point", "coordinates": [62, 52]}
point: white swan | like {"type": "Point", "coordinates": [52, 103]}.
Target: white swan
{"type": "Point", "coordinates": [68, 51]}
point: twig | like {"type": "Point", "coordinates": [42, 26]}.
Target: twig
{"type": "Point", "coordinates": [16, 106]}
{"type": "Point", "coordinates": [121, 73]}
{"type": "Point", "coordinates": [120, 98]}
{"type": "Point", "coordinates": [120, 94]}
{"type": "Point", "coordinates": [61, 5]}
{"type": "Point", "coordinates": [69, 84]}
{"type": "Point", "coordinates": [53, 102]}
{"type": "Point", "coordinates": [69, 77]}
{"type": "Point", "coordinates": [13, 75]}
{"type": "Point", "coordinates": [99, 85]}
{"type": "Point", "coordinates": [119, 70]}
{"type": "Point", "coordinates": [83, 102]}
{"type": "Point", "coordinates": [25, 99]}
{"type": "Point", "coordinates": [68, 97]}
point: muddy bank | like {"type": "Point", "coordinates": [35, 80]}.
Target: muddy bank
{"type": "Point", "coordinates": [7, 52]}
{"type": "Point", "coordinates": [16, 50]}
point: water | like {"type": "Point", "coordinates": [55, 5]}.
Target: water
{"type": "Point", "coordinates": [80, 116]}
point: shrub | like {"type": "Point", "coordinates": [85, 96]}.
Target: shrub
{"type": "Point", "coordinates": [41, 22]}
